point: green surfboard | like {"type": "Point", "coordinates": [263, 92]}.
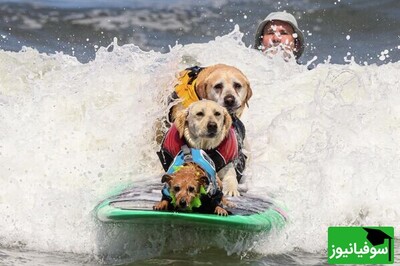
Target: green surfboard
{"type": "Point", "coordinates": [135, 205]}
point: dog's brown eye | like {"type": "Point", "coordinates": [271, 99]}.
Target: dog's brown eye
{"type": "Point", "coordinates": [218, 86]}
{"type": "Point", "coordinates": [200, 114]}
{"type": "Point", "coordinates": [217, 113]}
{"type": "Point", "coordinates": [191, 189]}
{"type": "Point", "coordinates": [237, 86]}
{"type": "Point", "coordinates": [177, 188]}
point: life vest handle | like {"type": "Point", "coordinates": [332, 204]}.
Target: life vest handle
{"type": "Point", "coordinates": [193, 73]}
{"type": "Point", "coordinates": [187, 154]}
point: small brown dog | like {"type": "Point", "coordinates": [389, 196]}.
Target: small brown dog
{"type": "Point", "coordinates": [223, 84]}
{"type": "Point", "coordinates": [187, 192]}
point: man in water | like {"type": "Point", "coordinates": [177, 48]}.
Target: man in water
{"type": "Point", "coordinates": [279, 32]}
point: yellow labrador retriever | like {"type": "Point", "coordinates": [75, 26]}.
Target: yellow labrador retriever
{"type": "Point", "coordinates": [223, 84]}
{"type": "Point", "coordinates": [208, 126]}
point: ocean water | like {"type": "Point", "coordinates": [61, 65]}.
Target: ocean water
{"type": "Point", "coordinates": [82, 83]}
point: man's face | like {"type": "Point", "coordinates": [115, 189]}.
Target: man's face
{"type": "Point", "coordinates": [278, 33]}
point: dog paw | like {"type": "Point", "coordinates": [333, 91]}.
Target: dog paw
{"type": "Point", "coordinates": [232, 193]}
{"type": "Point", "coordinates": [230, 184]}
{"type": "Point", "coordinates": [220, 211]}
{"type": "Point", "coordinates": [156, 208]}
{"type": "Point", "coordinates": [229, 204]}
{"type": "Point", "coordinates": [160, 206]}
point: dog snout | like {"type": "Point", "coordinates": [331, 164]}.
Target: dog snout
{"type": "Point", "coordinates": [182, 203]}
{"type": "Point", "coordinates": [212, 127]}
{"type": "Point", "coordinates": [229, 100]}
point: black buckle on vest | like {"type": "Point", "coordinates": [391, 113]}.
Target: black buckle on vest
{"type": "Point", "coordinates": [187, 154]}
{"type": "Point", "coordinates": [193, 73]}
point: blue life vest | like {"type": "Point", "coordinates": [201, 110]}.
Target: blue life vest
{"type": "Point", "coordinates": [200, 158]}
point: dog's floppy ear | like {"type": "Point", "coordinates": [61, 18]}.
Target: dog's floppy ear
{"type": "Point", "coordinates": [201, 85]}
{"type": "Point", "coordinates": [201, 89]}
{"type": "Point", "coordinates": [180, 121]}
{"type": "Point", "coordinates": [166, 178]}
{"type": "Point", "coordinates": [227, 121]}
{"type": "Point", "coordinates": [249, 93]}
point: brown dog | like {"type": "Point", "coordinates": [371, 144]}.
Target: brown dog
{"type": "Point", "coordinates": [207, 126]}
{"type": "Point", "coordinates": [185, 188]}
{"type": "Point", "coordinates": [223, 84]}
{"type": "Point", "coordinates": [204, 125]}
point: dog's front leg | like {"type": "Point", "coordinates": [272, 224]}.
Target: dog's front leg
{"type": "Point", "coordinates": [230, 183]}
{"type": "Point", "coordinates": [162, 205]}
{"type": "Point", "coordinates": [220, 211]}
{"type": "Point", "coordinates": [227, 203]}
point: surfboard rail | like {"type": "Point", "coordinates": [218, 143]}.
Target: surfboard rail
{"type": "Point", "coordinates": [250, 214]}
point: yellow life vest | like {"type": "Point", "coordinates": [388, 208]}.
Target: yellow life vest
{"type": "Point", "coordinates": [186, 86]}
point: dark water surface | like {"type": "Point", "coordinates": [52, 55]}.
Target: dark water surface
{"type": "Point", "coordinates": [365, 29]}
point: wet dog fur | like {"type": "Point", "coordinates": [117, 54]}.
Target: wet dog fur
{"type": "Point", "coordinates": [185, 186]}
{"type": "Point", "coordinates": [204, 125]}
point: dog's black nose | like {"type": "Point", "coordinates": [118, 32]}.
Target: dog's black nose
{"type": "Point", "coordinates": [182, 203]}
{"type": "Point", "coordinates": [229, 100]}
{"type": "Point", "coordinates": [212, 127]}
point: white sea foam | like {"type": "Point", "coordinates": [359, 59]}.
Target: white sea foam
{"type": "Point", "coordinates": [325, 143]}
